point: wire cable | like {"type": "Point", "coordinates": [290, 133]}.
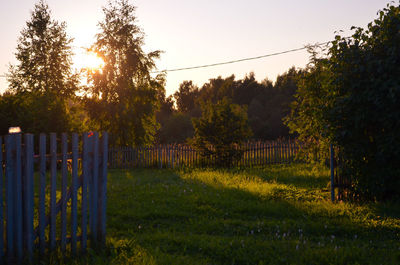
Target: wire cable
{"type": "Point", "coordinates": [227, 62]}
{"type": "Point", "coordinates": [236, 61]}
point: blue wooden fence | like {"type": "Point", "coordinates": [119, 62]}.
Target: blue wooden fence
{"type": "Point", "coordinates": [27, 224]}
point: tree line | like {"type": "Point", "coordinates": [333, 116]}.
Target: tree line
{"type": "Point", "coordinates": [265, 103]}
{"type": "Point", "coordinates": [348, 95]}
{"type": "Point", "coordinates": [45, 93]}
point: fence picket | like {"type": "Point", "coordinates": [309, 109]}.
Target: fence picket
{"type": "Point", "coordinates": [18, 197]}
{"type": "Point", "coordinates": [103, 188]}
{"type": "Point", "coordinates": [1, 205]}
{"type": "Point", "coordinates": [28, 196]}
{"type": "Point", "coordinates": [178, 155]}
{"type": "Point", "coordinates": [42, 192]}
{"type": "Point", "coordinates": [94, 187]}
{"type": "Point", "coordinates": [85, 177]}
{"type": "Point", "coordinates": [64, 179]}
{"type": "Point", "coordinates": [53, 194]}
{"type": "Point", "coordinates": [74, 193]}
{"type": "Point", "coordinates": [9, 195]}
{"type": "Point", "coordinates": [18, 223]}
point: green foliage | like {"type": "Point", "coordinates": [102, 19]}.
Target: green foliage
{"type": "Point", "coordinates": [217, 89]}
{"type": "Point", "coordinates": [352, 99]}
{"type": "Point", "coordinates": [307, 110]}
{"type": "Point", "coordinates": [186, 97]}
{"type": "Point", "coordinates": [123, 96]}
{"type": "Point", "coordinates": [220, 130]}
{"type": "Point", "coordinates": [41, 95]}
{"type": "Point", "coordinates": [365, 114]}
{"type": "Point", "coordinates": [266, 103]}
{"type": "Point", "coordinates": [44, 56]}
{"type": "Point", "coordinates": [176, 129]}
{"type": "Point", "coordinates": [36, 112]}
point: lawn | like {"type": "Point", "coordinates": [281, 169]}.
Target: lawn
{"type": "Point", "coordinates": [278, 214]}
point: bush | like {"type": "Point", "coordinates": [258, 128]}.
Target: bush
{"type": "Point", "coordinates": [220, 130]}
{"type": "Point", "coordinates": [351, 99]}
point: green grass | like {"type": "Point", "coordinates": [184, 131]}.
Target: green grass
{"type": "Point", "coordinates": [274, 215]}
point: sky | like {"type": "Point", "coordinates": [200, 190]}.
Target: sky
{"type": "Point", "coordinates": [193, 32]}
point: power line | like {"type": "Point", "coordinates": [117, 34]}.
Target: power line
{"type": "Point", "coordinates": [227, 62]}
{"type": "Point", "coordinates": [238, 60]}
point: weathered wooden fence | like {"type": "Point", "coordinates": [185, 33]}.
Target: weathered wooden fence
{"type": "Point", "coordinates": [33, 218]}
{"type": "Point", "coordinates": [171, 156]}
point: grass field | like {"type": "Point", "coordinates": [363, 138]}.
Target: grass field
{"type": "Point", "coordinates": [279, 214]}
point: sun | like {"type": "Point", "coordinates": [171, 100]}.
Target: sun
{"type": "Point", "coordinates": [87, 60]}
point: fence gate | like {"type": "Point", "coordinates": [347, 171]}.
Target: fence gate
{"type": "Point", "coordinates": [33, 206]}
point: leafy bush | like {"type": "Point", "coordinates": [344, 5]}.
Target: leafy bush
{"type": "Point", "coordinates": [351, 99]}
{"type": "Point", "coordinates": [220, 130]}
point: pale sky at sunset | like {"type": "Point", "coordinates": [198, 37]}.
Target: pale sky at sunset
{"type": "Point", "coordinates": [192, 32]}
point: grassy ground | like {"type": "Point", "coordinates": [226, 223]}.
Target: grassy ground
{"type": "Point", "coordinates": [274, 215]}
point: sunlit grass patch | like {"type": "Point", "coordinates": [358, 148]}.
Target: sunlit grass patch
{"type": "Point", "coordinates": [278, 214]}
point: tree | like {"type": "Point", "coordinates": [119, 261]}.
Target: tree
{"type": "Point", "coordinates": [220, 131]}
{"type": "Point", "coordinates": [177, 128]}
{"type": "Point", "coordinates": [44, 54]}
{"type": "Point", "coordinates": [35, 113]}
{"type": "Point", "coordinates": [351, 99]}
{"type": "Point", "coordinates": [123, 96]}
{"type": "Point", "coordinates": [364, 114]}
{"type": "Point", "coordinates": [186, 97]}
{"type": "Point", "coordinates": [306, 117]}
{"type": "Point", "coordinates": [217, 89]}
{"type": "Point", "coordinates": [42, 84]}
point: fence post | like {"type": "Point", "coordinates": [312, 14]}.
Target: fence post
{"type": "Point", "coordinates": [332, 173]}
{"type": "Point", "coordinates": [64, 175]}
{"type": "Point", "coordinates": [42, 192]}
{"type": "Point", "coordinates": [103, 188]}
{"type": "Point", "coordinates": [172, 153]}
{"type": "Point", "coordinates": [160, 156]}
{"type": "Point", "coordinates": [1, 204]}
{"type": "Point", "coordinates": [94, 186]}
{"type": "Point", "coordinates": [9, 195]}
{"type": "Point", "coordinates": [28, 196]}
{"type": "Point", "coordinates": [85, 176]}
{"type": "Point", "coordinates": [74, 192]}
{"type": "Point", "coordinates": [53, 193]}
{"type": "Point", "coordinates": [17, 193]}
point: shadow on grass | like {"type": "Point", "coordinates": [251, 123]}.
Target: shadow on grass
{"type": "Point", "coordinates": [180, 220]}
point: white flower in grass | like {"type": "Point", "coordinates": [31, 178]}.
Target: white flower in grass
{"type": "Point", "coordinates": [139, 227]}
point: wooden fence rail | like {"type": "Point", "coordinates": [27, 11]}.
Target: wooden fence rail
{"type": "Point", "coordinates": [27, 227]}
{"type": "Point", "coordinates": [176, 155]}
